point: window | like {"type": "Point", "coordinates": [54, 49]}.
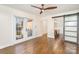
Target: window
{"type": "Point", "coordinates": [19, 27]}
{"type": "Point", "coordinates": [23, 27]}
{"type": "Point", "coordinates": [29, 28]}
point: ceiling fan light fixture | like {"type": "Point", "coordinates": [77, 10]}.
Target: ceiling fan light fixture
{"type": "Point", "coordinates": [42, 10]}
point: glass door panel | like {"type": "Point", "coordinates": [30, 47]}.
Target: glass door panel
{"type": "Point", "coordinates": [70, 34]}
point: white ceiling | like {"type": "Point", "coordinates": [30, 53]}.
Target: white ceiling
{"type": "Point", "coordinates": [60, 8]}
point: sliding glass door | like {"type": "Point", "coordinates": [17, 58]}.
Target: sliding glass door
{"type": "Point", "coordinates": [70, 33]}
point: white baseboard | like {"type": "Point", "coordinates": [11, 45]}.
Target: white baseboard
{"type": "Point", "coordinates": [18, 41]}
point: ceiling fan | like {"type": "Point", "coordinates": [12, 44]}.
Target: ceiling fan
{"type": "Point", "coordinates": [43, 9]}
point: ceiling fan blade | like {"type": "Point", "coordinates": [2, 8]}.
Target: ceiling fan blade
{"type": "Point", "coordinates": [41, 12]}
{"type": "Point", "coordinates": [36, 7]}
{"type": "Point", "coordinates": [50, 8]}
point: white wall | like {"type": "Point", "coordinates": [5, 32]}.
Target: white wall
{"type": "Point", "coordinates": [44, 25]}
{"type": "Point", "coordinates": [38, 26]}
{"type": "Point", "coordinates": [7, 25]}
{"type": "Point", "coordinates": [5, 29]}
{"type": "Point", "coordinates": [48, 26]}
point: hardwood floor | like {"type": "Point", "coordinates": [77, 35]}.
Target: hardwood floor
{"type": "Point", "coordinates": [37, 45]}
{"type": "Point", "coordinates": [40, 45]}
